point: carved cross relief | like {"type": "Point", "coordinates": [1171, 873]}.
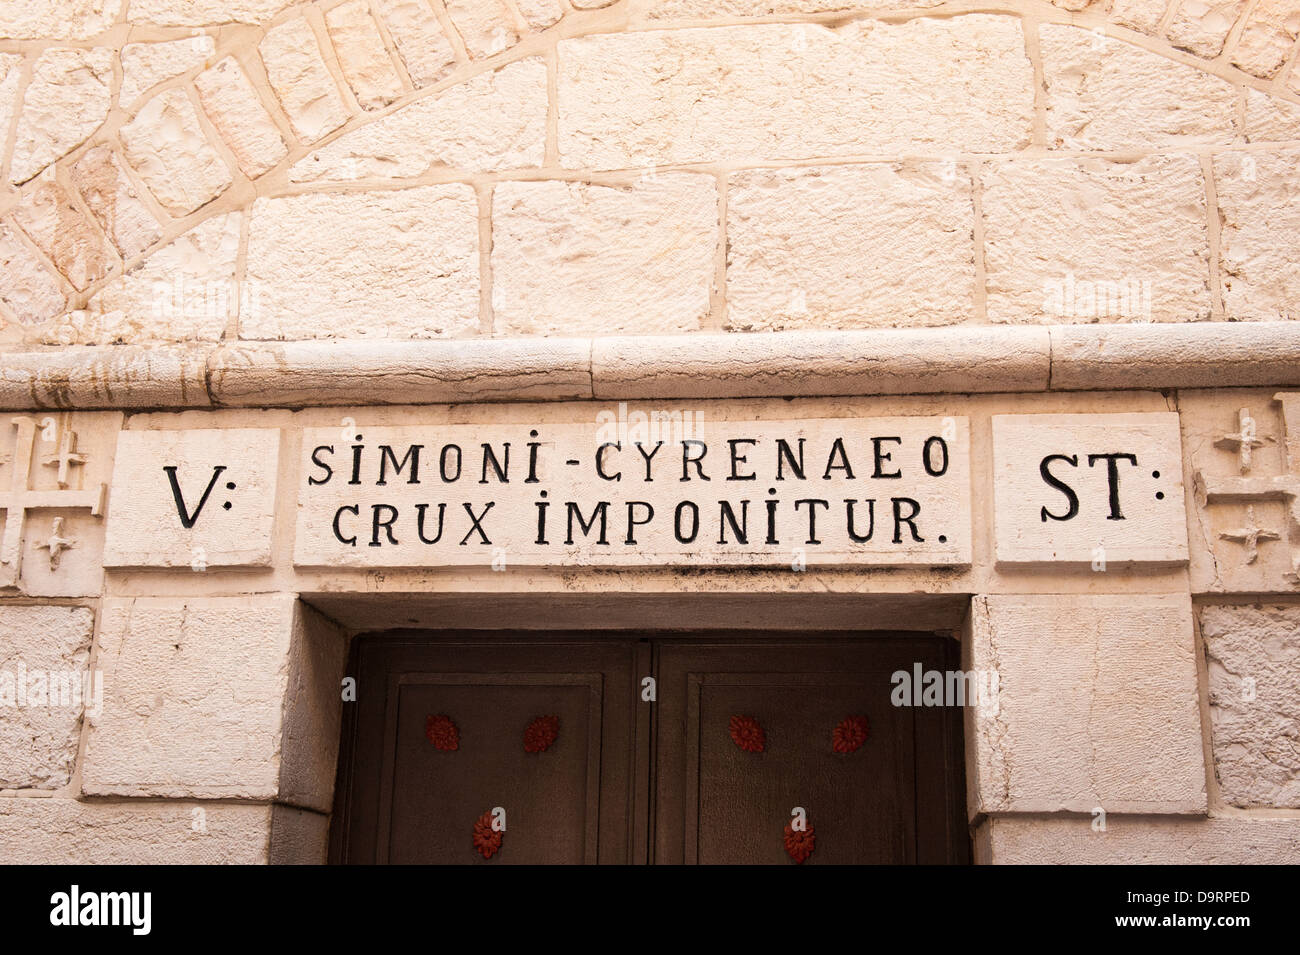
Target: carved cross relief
{"type": "Point", "coordinates": [1251, 488]}
{"type": "Point", "coordinates": [20, 497]}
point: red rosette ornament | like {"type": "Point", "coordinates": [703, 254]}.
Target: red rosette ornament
{"type": "Point", "coordinates": [442, 732]}
{"type": "Point", "coordinates": [747, 734]}
{"type": "Point", "coordinates": [799, 843]}
{"type": "Point", "coordinates": [541, 734]}
{"type": "Point", "coordinates": [487, 841]}
{"type": "Point", "coordinates": [850, 734]}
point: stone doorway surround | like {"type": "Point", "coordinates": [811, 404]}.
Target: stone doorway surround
{"type": "Point", "coordinates": [1122, 691]}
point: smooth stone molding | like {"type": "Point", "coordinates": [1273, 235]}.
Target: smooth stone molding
{"type": "Point", "coordinates": [964, 359]}
{"type": "Point", "coordinates": [221, 484]}
{"type": "Point", "coordinates": [1088, 489]}
{"type": "Point", "coordinates": [682, 491]}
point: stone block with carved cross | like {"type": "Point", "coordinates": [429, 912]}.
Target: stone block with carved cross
{"type": "Point", "coordinates": [201, 499]}
{"type": "Point", "coordinates": [54, 474]}
{"type": "Point", "coordinates": [1242, 450]}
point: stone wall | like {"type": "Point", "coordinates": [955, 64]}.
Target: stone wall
{"type": "Point", "coordinates": [183, 171]}
{"type": "Point", "coordinates": [211, 209]}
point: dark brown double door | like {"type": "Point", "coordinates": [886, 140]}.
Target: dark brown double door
{"type": "Point", "coordinates": [557, 742]}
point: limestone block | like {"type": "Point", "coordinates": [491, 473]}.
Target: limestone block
{"type": "Point", "coordinates": [113, 378]}
{"type": "Point", "coordinates": [1104, 93]}
{"type": "Point", "coordinates": [54, 469]}
{"type": "Point", "coordinates": [57, 19]}
{"type": "Point", "coordinates": [193, 697]}
{"type": "Point", "coordinates": [850, 246]}
{"type": "Point", "coordinates": [1088, 490]}
{"type": "Point", "coordinates": [1266, 42]}
{"type": "Point", "coordinates": [497, 120]}
{"type": "Point", "coordinates": [243, 122]}
{"type": "Point", "coordinates": [484, 25]}
{"type": "Point", "coordinates": [146, 64]}
{"type": "Point", "coordinates": [185, 291]}
{"type": "Point", "coordinates": [11, 74]}
{"type": "Point", "coordinates": [1253, 656]}
{"type": "Point", "coordinates": [1097, 706]}
{"type": "Point", "coordinates": [1091, 240]}
{"type": "Point", "coordinates": [362, 55]}
{"type": "Point", "coordinates": [67, 99]}
{"type": "Point", "coordinates": [50, 216]}
{"type": "Point", "coordinates": [375, 264]}
{"type": "Point", "coordinates": [1259, 207]}
{"type": "Point", "coordinates": [187, 13]}
{"type": "Point", "coordinates": [425, 51]}
{"type": "Point", "coordinates": [197, 499]}
{"type": "Point", "coordinates": [217, 697]}
{"type": "Point", "coordinates": [114, 201]}
{"type": "Point", "coordinates": [786, 91]}
{"type": "Point", "coordinates": [576, 258]}
{"type": "Point", "coordinates": [540, 14]}
{"type": "Point", "coordinates": [68, 832]}
{"type": "Point", "coordinates": [301, 80]}
{"type": "Point", "coordinates": [702, 9]}
{"type": "Point", "coordinates": [1235, 445]}
{"type": "Point", "coordinates": [1202, 26]}
{"type": "Point", "coordinates": [1269, 118]}
{"type": "Point", "coordinates": [298, 836]}
{"type": "Point", "coordinates": [165, 145]}
{"type": "Point", "coordinates": [44, 679]}
{"type": "Point", "coordinates": [1141, 15]}
{"type": "Point", "coordinates": [31, 290]}
{"type": "Point", "coordinates": [1138, 840]}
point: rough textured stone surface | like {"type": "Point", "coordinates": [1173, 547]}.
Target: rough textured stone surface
{"type": "Point", "coordinates": [1253, 656]}
{"type": "Point", "coordinates": [165, 145]}
{"type": "Point", "coordinates": [581, 258]}
{"type": "Point", "coordinates": [362, 55]}
{"type": "Point", "coordinates": [425, 51]}
{"type": "Point", "coordinates": [776, 91]}
{"type": "Point", "coordinates": [1109, 94]}
{"type": "Point", "coordinates": [540, 14]}
{"type": "Point", "coordinates": [1138, 840]}
{"type": "Point", "coordinates": [114, 201]}
{"type": "Point", "coordinates": [376, 264]}
{"type": "Point", "coordinates": [230, 472]}
{"type": "Point", "coordinates": [193, 697]}
{"type": "Point", "coordinates": [1269, 119]}
{"type": "Point", "coordinates": [703, 9]}
{"type": "Point", "coordinates": [313, 714]}
{"type": "Point", "coordinates": [146, 64]}
{"type": "Point", "coordinates": [1270, 33]}
{"type": "Point", "coordinates": [1201, 26]}
{"type": "Point", "coordinates": [298, 836]}
{"type": "Point", "coordinates": [301, 80]}
{"type": "Point", "coordinates": [1259, 207]}
{"type": "Point", "coordinates": [67, 99]}
{"type": "Point", "coordinates": [231, 103]}
{"type": "Point", "coordinates": [186, 13]}
{"type": "Point", "coordinates": [30, 290]}
{"type": "Point", "coordinates": [1097, 705]}
{"type": "Point", "coordinates": [50, 217]}
{"type": "Point", "coordinates": [127, 377]}
{"type": "Point", "coordinates": [11, 72]}
{"type": "Point", "coordinates": [484, 25]}
{"type": "Point", "coordinates": [1142, 15]}
{"type": "Point", "coordinates": [68, 832]}
{"type": "Point", "coordinates": [44, 654]}
{"type": "Point", "coordinates": [184, 291]}
{"type": "Point", "coordinates": [1093, 240]}
{"type": "Point", "coordinates": [848, 246]}
{"type": "Point", "coordinates": [57, 19]}
{"type": "Point", "coordinates": [496, 120]}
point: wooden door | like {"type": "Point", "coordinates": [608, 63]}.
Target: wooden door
{"type": "Point", "coordinates": [557, 739]}
{"type": "Point", "coordinates": [888, 788]}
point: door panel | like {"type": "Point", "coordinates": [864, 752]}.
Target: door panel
{"type": "Point", "coordinates": [895, 799]}
{"type": "Point", "coordinates": [405, 800]}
